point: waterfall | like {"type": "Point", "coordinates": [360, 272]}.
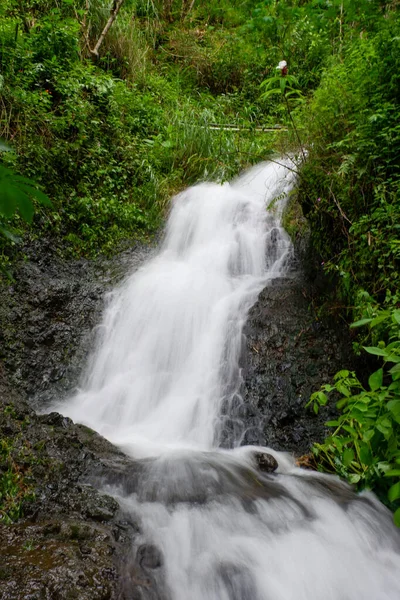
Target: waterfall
{"type": "Point", "coordinates": [167, 363]}
{"type": "Point", "coordinates": [163, 384]}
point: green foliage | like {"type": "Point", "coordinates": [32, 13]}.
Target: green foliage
{"type": "Point", "coordinates": [111, 141]}
{"type": "Point", "coordinates": [17, 195]}
{"type": "Point", "coordinates": [365, 445]}
{"type": "Point", "coordinates": [350, 183]}
{"type": "Point", "coordinates": [16, 458]}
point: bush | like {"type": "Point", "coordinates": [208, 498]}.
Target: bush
{"type": "Point", "coordinates": [350, 183]}
{"type": "Point", "coordinates": [365, 445]}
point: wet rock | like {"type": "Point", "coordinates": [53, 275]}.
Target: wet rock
{"type": "Point", "coordinates": [149, 556]}
{"type": "Point", "coordinates": [266, 462]}
{"type": "Point", "coordinates": [48, 316]}
{"type": "Point", "coordinates": [290, 353]}
{"type": "Point", "coordinates": [65, 545]}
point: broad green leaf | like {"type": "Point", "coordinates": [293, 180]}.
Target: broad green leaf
{"type": "Point", "coordinates": [396, 517]}
{"type": "Point", "coordinates": [394, 407]}
{"type": "Point", "coordinates": [365, 455]}
{"type": "Point", "coordinates": [392, 357]}
{"type": "Point", "coordinates": [41, 197]}
{"type": "Point", "coordinates": [394, 492]}
{"type": "Point", "coordinates": [271, 81]}
{"type": "Point", "coordinates": [343, 389]}
{"type": "Point", "coordinates": [393, 473]}
{"type": "Point", "coordinates": [395, 385]}
{"type": "Point", "coordinates": [25, 207]}
{"type": "Point", "coordinates": [375, 380]}
{"type": "Point", "coordinates": [375, 351]}
{"type": "Point", "coordinates": [354, 478]}
{"type": "Point", "coordinates": [342, 374]}
{"type": "Point", "coordinates": [392, 345]}
{"type": "Point", "coordinates": [296, 93]}
{"type": "Point", "coordinates": [382, 316]}
{"type": "Point", "coordinates": [348, 456]}
{"type": "Point", "coordinates": [384, 430]}
{"type": "Point", "coordinates": [341, 403]}
{"type": "Point", "coordinates": [269, 93]}
{"type": "Point", "coordinates": [350, 430]}
{"type": "Point", "coordinates": [361, 322]}
{"type": "Point", "coordinates": [8, 200]}
{"type": "Point", "coordinates": [332, 423]}
{"type": "Point", "coordinates": [368, 435]}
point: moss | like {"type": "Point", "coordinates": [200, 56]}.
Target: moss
{"type": "Point", "coordinates": [293, 219]}
{"type": "Point", "coordinates": [87, 430]}
{"type": "Point", "coordinates": [17, 457]}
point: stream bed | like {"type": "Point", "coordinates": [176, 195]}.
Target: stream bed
{"type": "Point", "coordinates": [196, 382]}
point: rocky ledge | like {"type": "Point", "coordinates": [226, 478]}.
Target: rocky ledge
{"type": "Point", "coordinates": [290, 352]}
{"type": "Point", "coordinates": [70, 540]}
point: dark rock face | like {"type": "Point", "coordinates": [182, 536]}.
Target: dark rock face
{"type": "Point", "coordinates": [290, 353]}
{"type": "Point", "coordinates": [48, 318]}
{"type": "Point", "coordinates": [74, 542]}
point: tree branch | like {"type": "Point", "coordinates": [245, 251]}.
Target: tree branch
{"type": "Point", "coordinates": [114, 12]}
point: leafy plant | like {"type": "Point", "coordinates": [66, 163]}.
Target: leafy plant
{"type": "Point", "coordinates": [365, 444]}
{"type": "Point", "coordinates": [285, 86]}
{"type": "Point", "coordinates": [349, 186]}
{"type": "Point", "coordinates": [17, 195]}
{"type": "Point", "coordinates": [15, 489]}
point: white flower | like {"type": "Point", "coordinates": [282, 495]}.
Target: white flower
{"type": "Point", "coordinates": [282, 65]}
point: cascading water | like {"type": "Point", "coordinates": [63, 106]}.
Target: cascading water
{"type": "Point", "coordinates": [164, 384]}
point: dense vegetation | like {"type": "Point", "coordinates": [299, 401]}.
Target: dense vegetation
{"type": "Point", "coordinates": [108, 131]}
{"type": "Point", "coordinates": [350, 194]}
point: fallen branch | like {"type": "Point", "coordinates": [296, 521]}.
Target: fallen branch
{"type": "Point", "coordinates": [232, 127]}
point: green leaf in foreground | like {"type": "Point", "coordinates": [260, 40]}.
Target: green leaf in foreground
{"type": "Point", "coordinates": [394, 492]}
{"type": "Point", "coordinates": [375, 380]}
{"type": "Point", "coordinates": [396, 517]}
{"type": "Point", "coordinates": [365, 445]}
{"type": "Point", "coordinates": [17, 194]}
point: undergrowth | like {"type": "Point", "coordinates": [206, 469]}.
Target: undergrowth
{"type": "Point", "coordinates": [16, 460]}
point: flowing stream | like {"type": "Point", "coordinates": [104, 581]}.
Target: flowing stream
{"type": "Point", "coordinates": [164, 384]}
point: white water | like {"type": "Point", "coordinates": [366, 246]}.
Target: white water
{"type": "Point", "coordinates": [161, 383]}
{"type": "Point", "coordinates": [171, 338]}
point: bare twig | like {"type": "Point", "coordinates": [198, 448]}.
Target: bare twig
{"type": "Point", "coordinates": [343, 214]}
{"type": "Point", "coordinates": [186, 8]}
{"type": "Point", "coordinates": [113, 15]}
{"type": "Point", "coordinates": [294, 127]}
